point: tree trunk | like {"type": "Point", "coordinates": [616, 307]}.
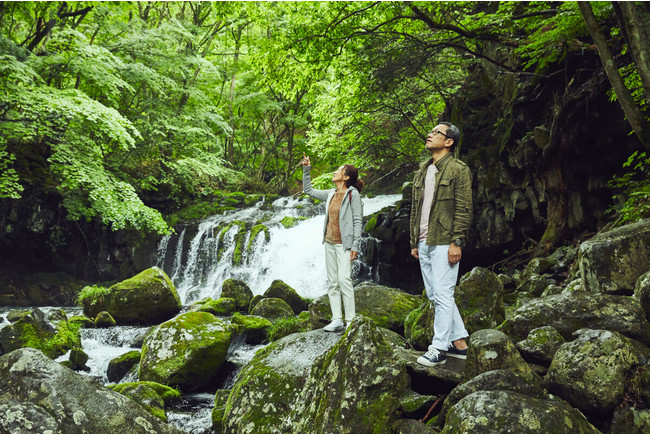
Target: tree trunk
{"type": "Point", "coordinates": [639, 43]}
{"type": "Point", "coordinates": [632, 111]}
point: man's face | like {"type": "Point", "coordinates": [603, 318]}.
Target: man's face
{"type": "Point", "coordinates": [437, 138]}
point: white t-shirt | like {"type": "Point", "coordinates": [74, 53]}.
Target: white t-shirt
{"type": "Point", "coordinates": [427, 200]}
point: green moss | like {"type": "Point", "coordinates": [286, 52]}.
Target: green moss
{"type": "Point", "coordinates": [289, 222]}
{"type": "Point", "coordinates": [255, 230]}
{"type": "Point", "coordinates": [371, 223]}
{"type": "Point", "coordinates": [285, 326]}
{"type": "Point", "coordinates": [168, 394]}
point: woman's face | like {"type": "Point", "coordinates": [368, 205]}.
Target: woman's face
{"type": "Point", "coordinates": [339, 175]}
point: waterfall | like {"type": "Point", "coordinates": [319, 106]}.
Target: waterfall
{"type": "Point", "coordinates": [219, 247]}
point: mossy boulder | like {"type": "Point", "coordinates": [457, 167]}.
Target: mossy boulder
{"type": "Point", "coordinates": [591, 371]}
{"type": "Point", "coordinates": [256, 299]}
{"type": "Point", "coordinates": [16, 315]}
{"type": "Point", "coordinates": [78, 359]}
{"type": "Point", "coordinates": [267, 388]}
{"type": "Point", "coordinates": [35, 331]}
{"type": "Point", "coordinates": [185, 352]}
{"type": "Point", "coordinates": [411, 426]}
{"type": "Point", "coordinates": [631, 420]}
{"type": "Point", "coordinates": [506, 411]}
{"type": "Point", "coordinates": [418, 326]}
{"type": "Point", "coordinates": [223, 306]}
{"type": "Point", "coordinates": [355, 385]}
{"type": "Point", "coordinates": [43, 396]}
{"type": "Point", "coordinates": [386, 307]}
{"type": "Point", "coordinates": [412, 404]}
{"type": "Point", "coordinates": [499, 379]}
{"type": "Point", "coordinates": [479, 298]}
{"type": "Point", "coordinates": [490, 350]}
{"type": "Point", "coordinates": [540, 345]}
{"type": "Point", "coordinates": [254, 327]}
{"type": "Point", "coordinates": [82, 320]}
{"type": "Point", "coordinates": [642, 293]}
{"type": "Point", "coordinates": [147, 298]}
{"type": "Point", "coordinates": [281, 290]}
{"type": "Point", "coordinates": [272, 309]}
{"type": "Point", "coordinates": [612, 261]}
{"type": "Point", "coordinates": [104, 319]}
{"type": "Point", "coordinates": [239, 291]}
{"type": "Point", "coordinates": [572, 311]}
{"type": "Point", "coordinates": [219, 409]}
{"type": "Point", "coordinates": [121, 365]}
{"type": "Point", "coordinates": [150, 395]}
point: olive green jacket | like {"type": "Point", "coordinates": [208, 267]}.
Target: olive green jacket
{"type": "Point", "coordinates": [451, 210]}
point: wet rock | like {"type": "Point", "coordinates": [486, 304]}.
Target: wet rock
{"type": "Point", "coordinates": [35, 331]}
{"type": "Point", "coordinates": [254, 327]}
{"type": "Point", "coordinates": [85, 322]}
{"type": "Point", "coordinates": [387, 307]}
{"type": "Point", "coordinates": [281, 290]}
{"type": "Point", "coordinates": [223, 306]}
{"type": "Point", "coordinates": [267, 387]}
{"type": "Point", "coordinates": [413, 405]}
{"type": "Point", "coordinates": [630, 420]}
{"type": "Point", "coordinates": [154, 397]}
{"type": "Point", "coordinates": [612, 261]}
{"type": "Point", "coordinates": [147, 298]}
{"type": "Point", "coordinates": [500, 379]}
{"type": "Point", "coordinates": [506, 411]}
{"type": "Point", "coordinates": [37, 395]}
{"type": "Point", "coordinates": [272, 309]}
{"type": "Point", "coordinates": [418, 326]}
{"type": "Point", "coordinates": [490, 350]}
{"type": "Point", "coordinates": [186, 351]}
{"type": "Point", "coordinates": [411, 426]}
{"type": "Point", "coordinates": [239, 291]}
{"type": "Point", "coordinates": [16, 315]}
{"type": "Point", "coordinates": [590, 372]}
{"type": "Point", "coordinates": [121, 365]}
{"type": "Point", "coordinates": [540, 345]}
{"type": "Point", "coordinates": [355, 385]}
{"type": "Point", "coordinates": [642, 293]}
{"type": "Point", "coordinates": [571, 311]}
{"type": "Point", "coordinates": [479, 298]}
{"type": "Point", "coordinates": [78, 360]}
{"type": "Point", "coordinates": [104, 319]}
{"type": "Point", "coordinates": [220, 401]}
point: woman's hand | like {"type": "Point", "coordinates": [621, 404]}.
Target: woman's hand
{"type": "Point", "coordinates": [305, 160]}
{"type": "Point", "coordinates": [353, 255]}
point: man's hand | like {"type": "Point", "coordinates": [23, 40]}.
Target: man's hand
{"type": "Point", "coordinates": [353, 255]}
{"type": "Point", "coordinates": [454, 254]}
{"type": "Point", "coordinates": [305, 160]}
{"type": "Point", "coordinates": [414, 253]}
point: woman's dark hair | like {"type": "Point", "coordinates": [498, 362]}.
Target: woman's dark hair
{"type": "Point", "coordinates": [353, 180]}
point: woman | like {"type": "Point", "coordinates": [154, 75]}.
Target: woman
{"type": "Point", "coordinates": [341, 236]}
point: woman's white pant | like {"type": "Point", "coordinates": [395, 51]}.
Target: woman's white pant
{"type": "Point", "coordinates": [440, 282]}
{"type": "Point", "coordinates": [338, 265]}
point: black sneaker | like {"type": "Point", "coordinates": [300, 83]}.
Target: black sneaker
{"type": "Point", "coordinates": [432, 358]}
{"type": "Point", "coordinates": [455, 352]}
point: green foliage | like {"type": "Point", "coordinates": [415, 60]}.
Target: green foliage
{"type": "Point", "coordinates": [92, 294]}
{"type": "Point", "coordinates": [632, 189]}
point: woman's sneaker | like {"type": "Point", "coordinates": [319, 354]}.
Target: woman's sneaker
{"type": "Point", "coordinates": [335, 326]}
{"type": "Point", "coordinates": [455, 352]}
{"type": "Point", "coordinates": [432, 358]}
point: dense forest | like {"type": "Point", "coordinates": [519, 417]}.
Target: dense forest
{"type": "Point", "coordinates": [126, 111]}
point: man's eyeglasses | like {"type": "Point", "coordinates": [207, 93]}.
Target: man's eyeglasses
{"type": "Point", "coordinates": [434, 132]}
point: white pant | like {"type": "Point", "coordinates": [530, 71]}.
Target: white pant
{"type": "Point", "coordinates": [440, 281]}
{"type": "Point", "coordinates": [338, 264]}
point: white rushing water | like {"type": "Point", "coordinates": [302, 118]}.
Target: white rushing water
{"type": "Point", "coordinates": [199, 263]}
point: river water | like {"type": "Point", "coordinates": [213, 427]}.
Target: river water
{"type": "Point", "coordinates": [199, 258]}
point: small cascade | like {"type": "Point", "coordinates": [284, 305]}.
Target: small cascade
{"type": "Point", "coordinates": [281, 240]}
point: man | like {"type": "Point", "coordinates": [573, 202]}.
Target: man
{"type": "Point", "coordinates": [440, 218]}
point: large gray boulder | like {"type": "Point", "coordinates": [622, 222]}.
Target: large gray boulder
{"type": "Point", "coordinates": [39, 395]}
{"type": "Point", "coordinates": [354, 386]}
{"type": "Point", "coordinates": [591, 371]}
{"type": "Point", "coordinates": [268, 386]}
{"type": "Point", "coordinates": [612, 261]}
{"type": "Point", "coordinates": [146, 298]}
{"type": "Point", "coordinates": [479, 297]}
{"type": "Point", "coordinates": [386, 307]}
{"type": "Point", "coordinates": [572, 311]}
{"type": "Point", "coordinates": [491, 349]}
{"type": "Point", "coordinates": [500, 411]}
{"type": "Point", "coordinates": [186, 351]}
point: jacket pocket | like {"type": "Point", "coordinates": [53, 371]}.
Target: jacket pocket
{"type": "Point", "coordinates": [445, 190]}
{"type": "Point", "coordinates": [446, 221]}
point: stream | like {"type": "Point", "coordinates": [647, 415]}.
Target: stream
{"type": "Point", "coordinates": [200, 257]}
